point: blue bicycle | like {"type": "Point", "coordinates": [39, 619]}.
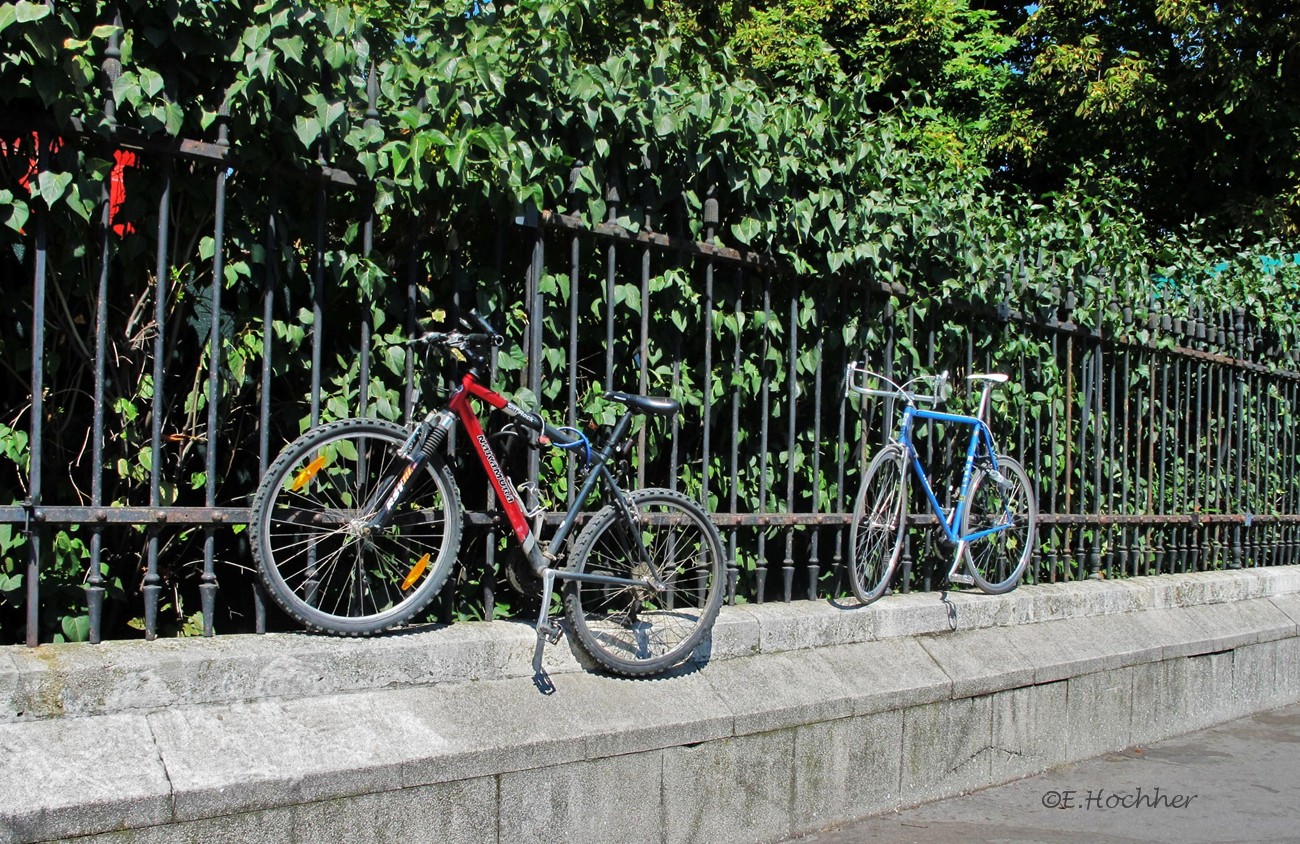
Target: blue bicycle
{"type": "Point", "coordinates": [993, 522]}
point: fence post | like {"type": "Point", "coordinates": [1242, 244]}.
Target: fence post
{"type": "Point", "coordinates": [95, 578]}
{"type": "Point", "coordinates": [208, 581]}
{"type": "Point", "coordinates": [32, 523]}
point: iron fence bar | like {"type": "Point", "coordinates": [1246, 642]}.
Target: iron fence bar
{"type": "Point", "coordinates": [318, 300]}
{"type": "Point", "coordinates": [151, 590]}
{"type": "Point", "coordinates": [1292, 495]}
{"type": "Point", "coordinates": [35, 534]}
{"type": "Point", "coordinates": [842, 447]}
{"type": "Point", "coordinates": [1052, 437]}
{"type": "Point", "coordinates": [814, 560]}
{"type": "Point", "coordinates": [1088, 371]}
{"type": "Point", "coordinates": [370, 121]}
{"type": "Point", "coordinates": [733, 565]}
{"type": "Point", "coordinates": [264, 399]}
{"type": "Point", "coordinates": [643, 360]}
{"type": "Point", "coordinates": [611, 257]}
{"type": "Point", "coordinates": [674, 422]}
{"type": "Point", "coordinates": [1067, 538]}
{"type": "Point", "coordinates": [534, 340]}
{"type": "Point", "coordinates": [1199, 484]}
{"type": "Point", "coordinates": [1225, 394]}
{"type": "Point", "coordinates": [1181, 459]}
{"type": "Point", "coordinates": [1127, 462]}
{"type": "Point", "coordinates": [412, 319]}
{"type": "Point", "coordinates": [706, 432]}
{"type": "Point", "coordinates": [1274, 464]}
{"type": "Point", "coordinates": [1115, 550]}
{"type": "Point", "coordinates": [1035, 460]}
{"type": "Point", "coordinates": [1098, 434]}
{"type": "Point", "coordinates": [208, 580]}
{"type": "Point", "coordinates": [94, 588]}
{"type": "Point", "coordinates": [765, 390]}
{"type": "Point", "coordinates": [571, 415]}
{"type": "Point", "coordinates": [792, 363]}
{"type": "Point", "coordinates": [1163, 501]}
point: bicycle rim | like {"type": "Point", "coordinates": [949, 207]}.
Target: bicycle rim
{"type": "Point", "coordinates": [879, 521]}
{"type": "Point", "coordinates": [315, 555]}
{"type": "Point", "coordinates": [640, 630]}
{"type": "Point", "coordinates": [996, 562]}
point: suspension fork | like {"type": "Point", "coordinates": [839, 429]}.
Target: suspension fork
{"type": "Point", "coordinates": [424, 441]}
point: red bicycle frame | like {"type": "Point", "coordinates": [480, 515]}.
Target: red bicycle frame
{"type": "Point", "coordinates": [506, 493]}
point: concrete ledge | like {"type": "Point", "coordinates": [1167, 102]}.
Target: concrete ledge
{"type": "Point", "coordinates": [59, 681]}
{"type": "Point", "coordinates": [795, 717]}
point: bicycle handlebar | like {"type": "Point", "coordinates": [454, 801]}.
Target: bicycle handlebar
{"type": "Point", "coordinates": [857, 378]}
{"type": "Point", "coordinates": [485, 334]}
{"type": "Point", "coordinates": [454, 339]}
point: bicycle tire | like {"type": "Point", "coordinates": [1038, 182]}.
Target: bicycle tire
{"type": "Point", "coordinates": [997, 562]}
{"type": "Point", "coordinates": [879, 524]}
{"type": "Point", "coordinates": [311, 552]}
{"type": "Point", "coordinates": [642, 631]}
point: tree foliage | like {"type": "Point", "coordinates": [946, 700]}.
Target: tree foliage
{"type": "Point", "coordinates": [1186, 92]}
{"type": "Point", "coordinates": [1199, 95]}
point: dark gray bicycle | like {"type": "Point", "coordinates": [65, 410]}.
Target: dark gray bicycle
{"type": "Point", "coordinates": [357, 524]}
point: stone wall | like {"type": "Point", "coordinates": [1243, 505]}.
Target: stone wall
{"type": "Point", "coordinates": [795, 717]}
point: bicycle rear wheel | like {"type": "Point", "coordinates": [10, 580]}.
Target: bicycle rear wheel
{"type": "Point", "coordinates": [997, 561]}
{"type": "Point", "coordinates": [879, 521]}
{"type": "Point", "coordinates": [645, 629]}
{"type": "Point", "coordinates": [317, 557]}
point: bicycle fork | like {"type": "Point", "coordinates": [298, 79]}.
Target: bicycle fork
{"type": "Point", "coordinates": [423, 442]}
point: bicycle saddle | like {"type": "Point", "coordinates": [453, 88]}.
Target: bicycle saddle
{"type": "Point", "coordinates": [653, 405]}
{"type": "Point", "coordinates": [992, 377]}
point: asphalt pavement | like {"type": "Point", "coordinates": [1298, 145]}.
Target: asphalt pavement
{"type": "Point", "coordinates": [1237, 783]}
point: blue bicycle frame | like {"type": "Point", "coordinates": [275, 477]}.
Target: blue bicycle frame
{"type": "Point", "coordinates": [981, 442]}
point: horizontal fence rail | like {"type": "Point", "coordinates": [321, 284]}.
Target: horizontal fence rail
{"type": "Point", "coordinates": [219, 312]}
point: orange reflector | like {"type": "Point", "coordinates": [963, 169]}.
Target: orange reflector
{"type": "Point", "coordinates": [416, 571]}
{"type": "Point", "coordinates": [305, 476]}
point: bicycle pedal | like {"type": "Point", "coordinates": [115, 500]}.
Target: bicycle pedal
{"type": "Point", "coordinates": [963, 579]}
{"type": "Point", "coordinates": [550, 632]}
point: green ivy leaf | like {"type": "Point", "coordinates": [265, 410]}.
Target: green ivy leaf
{"type": "Point", "coordinates": [307, 129]}
{"type": "Point", "coordinates": [27, 12]}
{"type": "Point", "coordinates": [52, 186]}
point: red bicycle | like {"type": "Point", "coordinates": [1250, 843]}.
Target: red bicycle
{"type": "Point", "coordinates": [358, 522]}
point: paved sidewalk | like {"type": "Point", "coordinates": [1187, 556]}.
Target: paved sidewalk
{"type": "Point", "coordinates": [1238, 782]}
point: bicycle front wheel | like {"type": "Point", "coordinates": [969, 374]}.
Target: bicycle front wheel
{"type": "Point", "coordinates": [675, 556]}
{"type": "Point", "coordinates": [315, 551]}
{"type": "Point", "coordinates": [879, 522]}
{"type": "Point", "coordinates": [997, 561]}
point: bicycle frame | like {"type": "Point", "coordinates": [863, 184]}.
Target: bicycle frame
{"type": "Point", "coordinates": [981, 437]}
{"type": "Point", "coordinates": [509, 501]}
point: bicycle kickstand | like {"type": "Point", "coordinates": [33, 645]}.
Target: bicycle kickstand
{"type": "Point", "coordinates": [546, 632]}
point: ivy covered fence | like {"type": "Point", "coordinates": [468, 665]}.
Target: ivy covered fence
{"type": "Point", "coordinates": [634, 217]}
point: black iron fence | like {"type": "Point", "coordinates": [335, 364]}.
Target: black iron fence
{"type": "Point", "coordinates": [207, 315]}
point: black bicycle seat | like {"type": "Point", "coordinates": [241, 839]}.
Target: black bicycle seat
{"type": "Point", "coordinates": [653, 405]}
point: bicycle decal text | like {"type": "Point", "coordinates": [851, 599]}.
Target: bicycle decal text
{"type": "Point", "coordinates": [507, 488]}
